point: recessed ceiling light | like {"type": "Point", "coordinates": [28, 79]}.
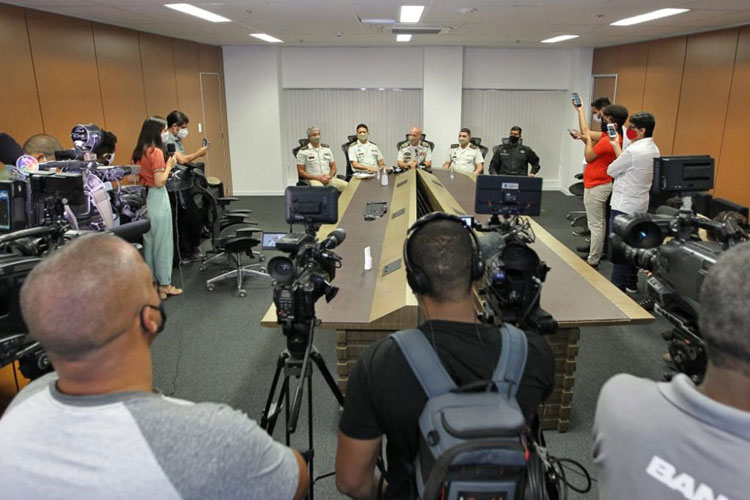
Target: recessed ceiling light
{"type": "Point", "coordinates": [192, 10]}
{"type": "Point", "coordinates": [403, 38]}
{"type": "Point", "coordinates": [649, 16]}
{"type": "Point", "coordinates": [266, 38]}
{"type": "Point", "coordinates": [377, 20]}
{"type": "Point", "coordinates": [363, 88]}
{"type": "Point", "coordinates": [560, 38]}
{"type": "Point", "coordinates": [411, 13]}
{"type": "Point", "coordinates": [466, 10]}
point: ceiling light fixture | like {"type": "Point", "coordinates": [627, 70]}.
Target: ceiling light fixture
{"type": "Point", "coordinates": [192, 10]}
{"type": "Point", "coordinates": [560, 38]}
{"type": "Point", "coordinates": [377, 20]}
{"type": "Point", "coordinates": [266, 38]}
{"type": "Point", "coordinates": [649, 16]}
{"type": "Point", "coordinates": [411, 13]}
{"type": "Point", "coordinates": [466, 10]}
{"type": "Point", "coordinates": [403, 38]}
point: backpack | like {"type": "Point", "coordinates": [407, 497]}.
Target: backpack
{"type": "Point", "coordinates": [470, 443]}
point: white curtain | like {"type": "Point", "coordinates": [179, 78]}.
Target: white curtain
{"type": "Point", "coordinates": [389, 114]}
{"type": "Point", "coordinates": [490, 114]}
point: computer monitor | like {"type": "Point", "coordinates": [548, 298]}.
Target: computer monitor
{"type": "Point", "coordinates": [683, 174]}
{"type": "Point", "coordinates": [307, 204]}
{"type": "Point", "coordinates": [508, 195]}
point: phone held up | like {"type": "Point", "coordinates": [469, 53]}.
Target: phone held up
{"type": "Point", "coordinates": [612, 131]}
{"type": "Point", "coordinates": [576, 100]}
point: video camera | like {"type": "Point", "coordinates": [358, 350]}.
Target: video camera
{"type": "Point", "coordinates": [514, 273]}
{"type": "Point", "coordinates": [306, 275]}
{"type": "Point", "coordinates": [669, 248]}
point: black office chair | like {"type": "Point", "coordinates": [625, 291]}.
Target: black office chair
{"type": "Point", "coordinates": [477, 141]}
{"type": "Point", "coordinates": [401, 143]}
{"type": "Point", "coordinates": [235, 240]}
{"type": "Point", "coordinates": [345, 148]}
{"type": "Point", "coordinates": [302, 143]}
{"type": "Point", "coordinates": [578, 218]}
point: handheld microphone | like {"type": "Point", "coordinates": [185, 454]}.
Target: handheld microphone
{"type": "Point", "coordinates": [334, 239]}
{"type": "Point", "coordinates": [171, 148]}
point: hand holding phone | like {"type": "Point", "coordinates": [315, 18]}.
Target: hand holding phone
{"type": "Point", "coordinates": [612, 131]}
{"type": "Point", "coordinates": [576, 100]}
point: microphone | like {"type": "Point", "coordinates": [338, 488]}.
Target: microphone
{"type": "Point", "coordinates": [131, 231]}
{"type": "Point", "coordinates": [171, 148]}
{"type": "Point", "coordinates": [334, 239]}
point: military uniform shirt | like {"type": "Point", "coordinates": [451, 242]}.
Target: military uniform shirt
{"type": "Point", "coordinates": [421, 152]}
{"type": "Point", "coordinates": [513, 159]}
{"type": "Point", "coordinates": [317, 161]}
{"type": "Point", "coordinates": [367, 154]}
{"type": "Point", "coordinates": [465, 159]}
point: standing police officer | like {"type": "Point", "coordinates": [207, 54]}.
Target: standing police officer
{"type": "Point", "coordinates": [415, 152]}
{"type": "Point", "coordinates": [364, 155]}
{"type": "Point", "coordinates": [513, 158]}
{"type": "Point", "coordinates": [315, 162]}
{"type": "Point", "coordinates": [465, 156]}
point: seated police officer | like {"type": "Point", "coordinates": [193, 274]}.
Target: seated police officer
{"type": "Point", "coordinates": [513, 157]}
{"type": "Point", "coordinates": [96, 428]}
{"type": "Point", "coordinates": [465, 156]}
{"type": "Point", "coordinates": [415, 152]}
{"type": "Point", "coordinates": [676, 440]}
{"type": "Point", "coordinates": [315, 162]}
{"type": "Point", "coordinates": [364, 155]}
{"type": "Point", "coordinates": [383, 396]}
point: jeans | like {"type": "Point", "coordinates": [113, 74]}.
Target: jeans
{"type": "Point", "coordinates": [623, 275]}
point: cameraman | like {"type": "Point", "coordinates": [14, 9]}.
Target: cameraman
{"type": "Point", "coordinates": [105, 150]}
{"type": "Point", "coordinates": [673, 440]}
{"type": "Point", "coordinates": [383, 397]}
{"type": "Point", "coordinates": [633, 174]}
{"type": "Point", "coordinates": [42, 147]}
{"type": "Point", "coordinates": [96, 428]}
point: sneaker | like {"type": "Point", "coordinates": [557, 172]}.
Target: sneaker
{"type": "Point", "coordinates": [631, 291]}
{"type": "Point", "coordinates": [583, 248]}
{"type": "Point", "coordinates": [582, 232]}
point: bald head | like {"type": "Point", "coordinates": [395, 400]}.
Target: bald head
{"type": "Point", "coordinates": [42, 145]}
{"type": "Point", "coordinates": [415, 135]}
{"type": "Point", "coordinates": [85, 294]}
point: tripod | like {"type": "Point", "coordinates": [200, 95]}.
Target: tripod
{"type": "Point", "coordinates": [295, 366]}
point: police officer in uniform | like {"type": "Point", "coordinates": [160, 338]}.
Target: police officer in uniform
{"type": "Point", "coordinates": [415, 152]}
{"type": "Point", "coordinates": [364, 155]}
{"type": "Point", "coordinates": [315, 162]}
{"type": "Point", "coordinates": [514, 158]}
{"type": "Point", "coordinates": [465, 156]}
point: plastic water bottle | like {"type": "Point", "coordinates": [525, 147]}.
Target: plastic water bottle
{"type": "Point", "coordinates": [452, 170]}
{"type": "Point", "coordinates": [384, 178]}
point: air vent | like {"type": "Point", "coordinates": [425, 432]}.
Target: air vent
{"type": "Point", "coordinates": [405, 29]}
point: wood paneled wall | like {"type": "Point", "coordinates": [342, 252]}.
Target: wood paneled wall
{"type": "Point", "coordinates": [698, 88]}
{"type": "Point", "coordinates": [60, 71]}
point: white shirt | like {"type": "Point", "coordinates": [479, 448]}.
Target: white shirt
{"type": "Point", "coordinates": [465, 159]}
{"type": "Point", "coordinates": [316, 160]}
{"type": "Point", "coordinates": [421, 152]}
{"type": "Point", "coordinates": [367, 154]}
{"type": "Point", "coordinates": [633, 172]}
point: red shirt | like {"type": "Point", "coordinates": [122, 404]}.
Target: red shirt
{"type": "Point", "coordinates": [153, 161]}
{"type": "Point", "coordinates": [595, 173]}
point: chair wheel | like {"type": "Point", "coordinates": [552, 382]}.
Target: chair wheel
{"type": "Point", "coordinates": [262, 258]}
{"type": "Point", "coordinates": [263, 270]}
{"type": "Point", "coordinates": [242, 293]}
{"type": "Point", "coordinates": [202, 268]}
{"type": "Point", "coordinates": [211, 287]}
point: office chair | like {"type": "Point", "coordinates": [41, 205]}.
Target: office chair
{"type": "Point", "coordinates": [345, 148]}
{"type": "Point", "coordinates": [477, 141]}
{"type": "Point", "coordinates": [504, 143]}
{"type": "Point", "coordinates": [578, 218]}
{"type": "Point", "coordinates": [235, 240]}
{"type": "Point", "coordinates": [401, 143]}
{"type": "Point", "coordinates": [302, 143]}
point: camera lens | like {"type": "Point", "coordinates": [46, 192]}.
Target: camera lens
{"type": "Point", "coordinates": [281, 269]}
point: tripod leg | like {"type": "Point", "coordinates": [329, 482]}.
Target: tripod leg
{"type": "Point", "coordinates": [310, 433]}
{"type": "Point", "coordinates": [316, 356]}
{"type": "Point", "coordinates": [270, 414]}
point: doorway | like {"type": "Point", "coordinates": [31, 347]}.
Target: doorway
{"type": "Point", "coordinates": [214, 130]}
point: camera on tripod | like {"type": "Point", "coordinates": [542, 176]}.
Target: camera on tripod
{"type": "Point", "coordinates": [512, 284]}
{"type": "Point", "coordinates": [669, 248]}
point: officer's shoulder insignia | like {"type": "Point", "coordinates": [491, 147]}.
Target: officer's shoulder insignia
{"type": "Point", "coordinates": [405, 145]}
{"type": "Point", "coordinates": [454, 146]}
{"type": "Point", "coordinates": [472, 145]}
{"type": "Point", "coordinates": [425, 144]}
{"type": "Point", "coordinates": [352, 143]}
{"type": "Point", "coordinates": [306, 146]}
{"type": "Point", "coordinates": [325, 145]}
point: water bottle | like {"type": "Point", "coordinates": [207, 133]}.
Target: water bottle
{"type": "Point", "coordinates": [452, 175]}
{"type": "Point", "coordinates": [384, 178]}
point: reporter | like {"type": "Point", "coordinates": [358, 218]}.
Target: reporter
{"type": "Point", "coordinates": [674, 440]}
{"type": "Point", "coordinates": [177, 123]}
{"type": "Point", "coordinates": [158, 243]}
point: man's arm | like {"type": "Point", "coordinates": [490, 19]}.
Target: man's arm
{"type": "Point", "coordinates": [332, 173]}
{"type": "Point", "coordinates": [616, 147]}
{"type": "Point", "coordinates": [302, 173]}
{"type": "Point", "coordinates": [589, 153]}
{"type": "Point", "coordinates": [355, 467]}
{"type": "Point", "coordinates": [183, 158]}
{"type": "Point", "coordinates": [379, 156]}
{"type": "Point", "coordinates": [534, 161]}
{"type": "Point", "coordinates": [480, 168]}
{"type": "Point", "coordinates": [478, 162]}
{"type": "Point", "coordinates": [621, 164]}
{"type": "Point", "coordinates": [400, 160]}
{"type": "Point", "coordinates": [428, 158]}
{"type": "Point", "coordinates": [303, 483]}
{"type": "Point", "coordinates": [495, 164]}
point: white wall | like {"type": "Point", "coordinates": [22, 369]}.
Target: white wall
{"type": "Point", "coordinates": [254, 117]}
{"type": "Point", "coordinates": [255, 76]}
{"type": "Point", "coordinates": [442, 98]}
{"type": "Point", "coordinates": [351, 68]}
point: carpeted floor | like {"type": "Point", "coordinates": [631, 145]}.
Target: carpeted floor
{"type": "Point", "coordinates": [214, 349]}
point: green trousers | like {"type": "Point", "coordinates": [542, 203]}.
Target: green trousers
{"type": "Point", "coordinates": [158, 245]}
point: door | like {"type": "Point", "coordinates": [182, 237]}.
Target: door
{"type": "Point", "coordinates": [214, 130]}
{"type": "Point", "coordinates": [603, 86]}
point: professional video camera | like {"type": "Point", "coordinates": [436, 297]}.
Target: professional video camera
{"type": "Point", "coordinates": [512, 283]}
{"type": "Point", "coordinates": [676, 266]}
{"type": "Point", "coordinates": [305, 276]}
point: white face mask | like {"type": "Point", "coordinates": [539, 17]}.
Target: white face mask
{"type": "Point", "coordinates": [315, 139]}
{"type": "Point", "coordinates": [182, 133]}
{"type": "Point", "coordinates": [111, 160]}
{"type": "Point", "coordinates": [164, 137]}
{"type": "Point", "coordinates": [463, 140]}
{"type": "Point", "coordinates": [597, 118]}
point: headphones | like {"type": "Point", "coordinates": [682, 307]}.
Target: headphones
{"type": "Point", "coordinates": [416, 278]}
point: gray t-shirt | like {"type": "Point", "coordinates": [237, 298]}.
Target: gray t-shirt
{"type": "Point", "coordinates": [668, 441]}
{"type": "Point", "coordinates": [136, 445]}
{"type": "Point", "coordinates": [177, 143]}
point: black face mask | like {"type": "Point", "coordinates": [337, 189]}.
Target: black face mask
{"type": "Point", "coordinates": [159, 308]}
{"type": "Point", "coordinates": [513, 139]}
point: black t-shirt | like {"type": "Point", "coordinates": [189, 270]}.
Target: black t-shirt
{"type": "Point", "coordinates": [384, 397]}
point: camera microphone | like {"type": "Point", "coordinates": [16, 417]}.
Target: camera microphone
{"type": "Point", "coordinates": [334, 239]}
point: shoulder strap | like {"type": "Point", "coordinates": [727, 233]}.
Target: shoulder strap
{"type": "Point", "coordinates": [510, 366]}
{"type": "Point", "coordinates": [424, 362]}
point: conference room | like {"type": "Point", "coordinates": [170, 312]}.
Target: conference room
{"type": "Point", "coordinates": [291, 183]}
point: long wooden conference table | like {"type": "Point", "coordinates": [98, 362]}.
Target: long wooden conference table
{"type": "Point", "coordinates": [372, 304]}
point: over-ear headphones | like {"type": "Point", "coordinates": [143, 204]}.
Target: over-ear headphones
{"type": "Point", "coordinates": [416, 278]}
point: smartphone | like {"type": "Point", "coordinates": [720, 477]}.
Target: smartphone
{"type": "Point", "coordinates": [612, 131]}
{"type": "Point", "coordinates": [576, 99]}
{"type": "Point", "coordinates": [205, 142]}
